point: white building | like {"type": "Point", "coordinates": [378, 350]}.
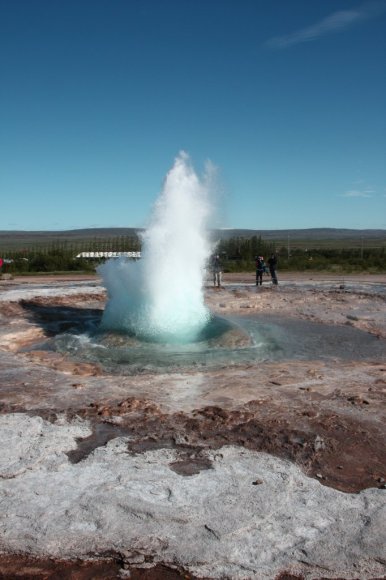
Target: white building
{"type": "Point", "coordinates": [95, 255]}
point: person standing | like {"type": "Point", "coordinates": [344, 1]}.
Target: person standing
{"type": "Point", "coordinates": [260, 269]}
{"type": "Point", "coordinates": [217, 270]}
{"type": "Point", "coordinates": [272, 263]}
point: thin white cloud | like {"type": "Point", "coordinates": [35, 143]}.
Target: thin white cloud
{"type": "Point", "coordinates": [337, 21]}
{"type": "Point", "coordinates": [358, 193]}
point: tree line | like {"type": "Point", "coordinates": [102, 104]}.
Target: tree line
{"type": "Point", "coordinates": [61, 256]}
{"type": "Point", "coordinates": [237, 255]}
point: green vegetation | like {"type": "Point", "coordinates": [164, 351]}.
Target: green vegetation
{"type": "Point", "coordinates": [238, 256]}
{"type": "Point", "coordinates": [238, 253]}
{"type": "Point", "coordinates": [60, 256]}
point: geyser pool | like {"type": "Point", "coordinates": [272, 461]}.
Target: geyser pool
{"type": "Point", "coordinates": [160, 298]}
{"type": "Point", "coordinates": [233, 341]}
{"type": "Point", "coordinates": [221, 342]}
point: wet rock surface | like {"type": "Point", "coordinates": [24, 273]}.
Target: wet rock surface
{"type": "Point", "coordinates": [117, 455]}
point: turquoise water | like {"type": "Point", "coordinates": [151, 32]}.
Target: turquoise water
{"type": "Point", "coordinates": [236, 341]}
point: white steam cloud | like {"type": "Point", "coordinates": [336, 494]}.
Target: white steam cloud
{"type": "Point", "coordinates": [161, 297]}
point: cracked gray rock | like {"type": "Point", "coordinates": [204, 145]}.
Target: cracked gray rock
{"type": "Point", "coordinates": [216, 523]}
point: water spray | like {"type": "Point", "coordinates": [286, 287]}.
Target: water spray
{"type": "Point", "coordinates": [160, 298]}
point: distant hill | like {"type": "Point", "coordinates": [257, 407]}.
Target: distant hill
{"type": "Point", "coordinates": [310, 233]}
{"type": "Point", "coordinates": [26, 239]}
{"type": "Point", "coordinates": [297, 237]}
{"type": "Point", "coordinates": [305, 234]}
{"type": "Point", "coordinates": [82, 234]}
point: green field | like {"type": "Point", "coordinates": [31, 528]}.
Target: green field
{"type": "Point", "coordinates": [113, 238]}
{"type": "Point", "coordinates": [331, 250]}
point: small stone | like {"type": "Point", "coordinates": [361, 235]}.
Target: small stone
{"type": "Point", "coordinates": [352, 317]}
{"type": "Point", "coordinates": [319, 476]}
{"type": "Point", "coordinates": [132, 557]}
{"type": "Point", "coordinates": [319, 443]}
{"type": "Point", "coordinates": [257, 482]}
{"type": "Point", "coordinates": [77, 385]}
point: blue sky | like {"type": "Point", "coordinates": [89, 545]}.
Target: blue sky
{"type": "Point", "coordinates": [286, 97]}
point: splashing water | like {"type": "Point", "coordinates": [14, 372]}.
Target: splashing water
{"type": "Point", "coordinates": [160, 298]}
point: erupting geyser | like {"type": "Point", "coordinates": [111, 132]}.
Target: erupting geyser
{"type": "Point", "coordinates": [160, 298]}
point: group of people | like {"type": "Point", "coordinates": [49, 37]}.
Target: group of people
{"type": "Point", "coordinates": [261, 269]}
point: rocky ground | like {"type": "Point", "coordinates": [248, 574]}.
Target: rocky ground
{"type": "Point", "coordinates": [270, 470]}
